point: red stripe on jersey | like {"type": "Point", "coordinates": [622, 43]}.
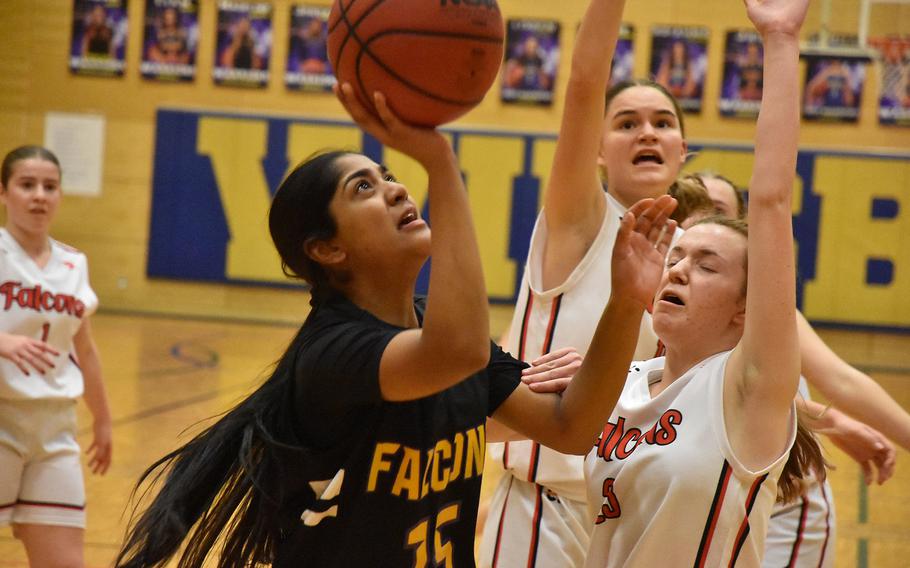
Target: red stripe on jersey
{"type": "Point", "coordinates": [502, 517]}
{"type": "Point", "coordinates": [535, 528]}
{"type": "Point", "coordinates": [524, 326]}
{"type": "Point", "coordinates": [821, 561]}
{"type": "Point", "coordinates": [803, 512]}
{"type": "Point", "coordinates": [522, 340]}
{"type": "Point", "coordinates": [722, 482]}
{"type": "Point", "coordinates": [547, 342]}
{"type": "Point", "coordinates": [744, 528]}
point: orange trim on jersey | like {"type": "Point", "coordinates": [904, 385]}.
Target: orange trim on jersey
{"type": "Point", "coordinates": [52, 505]}
{"type": "Point", "coordinates": [522, 339]}
{"type": "Point", "coordinates": [716, 505]}
{"type": "Point", "coordinates": [535, 528]}
{"type": "Point", "coordinates": [803, 512]}
{"type": "Point", "coordinates": [547, 342]}
{"type": "Point", "coordinates": [744, 528]}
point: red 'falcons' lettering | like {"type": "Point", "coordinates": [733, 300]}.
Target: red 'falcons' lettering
{"type": "Point", "coordinates": [615, 442]}
{"type": "Point", "coordinates": [35, 298]}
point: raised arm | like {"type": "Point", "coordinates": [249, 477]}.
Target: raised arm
{"type": "Point", "coordinates": [763, 372]}
{"type": "Point", "coordinates": [573, 202]}
{"type": "Point", "coordinates": [454, 340]}
{"type": "Point", "coordinates": [849, 389]}
{"type": "Point", "coordinates": [569, 423]}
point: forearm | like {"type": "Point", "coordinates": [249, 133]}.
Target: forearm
{"type": "Point", "coordinates": [457, 304]}
{"type": "Point", "coordinates": [591, 396]}
{"type": "Point", "coordinates": [573, 188]}
{"type": "Point", "coordinates": [865, 400]}
{"type": "Point", "coordinates": [777, 128]}
{"type": "Point", "coordinates": [95, 394]}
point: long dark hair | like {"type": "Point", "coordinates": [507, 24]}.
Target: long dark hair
{"type": "Point", "coordinates": [806, 458]}
{"type": "Point", "coordinates": [230, 483]}
{"type": "Point", "coordinates": [24, 153]}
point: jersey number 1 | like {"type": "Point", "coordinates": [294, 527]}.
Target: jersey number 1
{"type": "Point", "coordinates": [45, 331]}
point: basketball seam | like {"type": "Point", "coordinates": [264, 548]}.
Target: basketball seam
{"type": "Point", "coordinates": [352, 28]}
{"type": "Point", "coordinates": [364, 49]}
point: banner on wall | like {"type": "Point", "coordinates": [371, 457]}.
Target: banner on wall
{"type": "Point", "coordinates": [623, 67]}
{"type": "Point", "coordinates": [679, 61]}
{"type": "Point", "coordinates": [170, 40]}
{"type": "Point", "coordinates": [308, 66]}
{"type": "Point", "coordinates": [741, 90]}
{"type": "Point", "coordinates": [833, 87]}
{"type": "Point", "coordinates": [244, 43]}
{"type": "Point", "coordinates": [98, 44]}
{"type": "Point", "coordinates": [894, 80]}
{"type": "Point", "coordinates": [532, 60]}
{"type": "Point", "coordinates": [214, 174]}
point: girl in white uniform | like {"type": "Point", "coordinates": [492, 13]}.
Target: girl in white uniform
{"type": "Point", "coordinates": [686, 472]}
{"type": "Point", "coordinates": [538, 513]}
{"type": "Point", "coordinates": [44, 330]}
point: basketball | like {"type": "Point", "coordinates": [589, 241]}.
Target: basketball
{"type": "Point", "coordinates": [433, 59]}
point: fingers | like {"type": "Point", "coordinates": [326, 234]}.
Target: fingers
{"type": "Point", "coordinates": [388, 118]}
{"type": "Point", "coordinates": [553, 356]}
{"type": "Point", "coordinates": [353, 106]}
{"type": "Point", "coordinates": [565, 364]}
{"type": "Point", "coordinates": [868, 475]}
{"type": "Point", "coordinates": [99, 457]}
{"type": "Point", "coordinates": [552, 386]}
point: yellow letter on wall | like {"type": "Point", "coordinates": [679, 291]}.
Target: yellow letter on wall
{"type": "Point", "coordinates": [850, 237]}
{"type": "Point", "coordinates": [236, 147]}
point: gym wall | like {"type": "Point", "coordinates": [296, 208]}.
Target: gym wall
{"type": "Point", "coordinates": [853, 188]}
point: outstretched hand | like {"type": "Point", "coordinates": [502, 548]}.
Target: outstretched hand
{"type": "Point", "coordinates": [641, 246]}
{"type": "Point", "coordinates": [777, 16]}
{"type": "Point", "coordinates": [422, 144]}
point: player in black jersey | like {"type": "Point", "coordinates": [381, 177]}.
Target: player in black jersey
{"type": "Point", "coordinates": [366, 445]}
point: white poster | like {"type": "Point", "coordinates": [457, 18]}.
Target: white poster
{"type": "Point", "coordinates": [78, 142]}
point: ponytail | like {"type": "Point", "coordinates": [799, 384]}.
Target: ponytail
{"type": "Point", "coordinates": [227, 484]}
{"type": "Point", "coordinates": [805, 461]}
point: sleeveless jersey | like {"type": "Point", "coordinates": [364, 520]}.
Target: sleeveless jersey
{"type": "Point", "coordinates": [664, 486]}
{"type": "Point", "coordinates": [44, 303]}
{"type": "Point", "coordinates": [801, 533]}
{"type": "Point", "coordinates": [564, 316]}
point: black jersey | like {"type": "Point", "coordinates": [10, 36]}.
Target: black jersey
{"type": "Point", "coordinates": [405, 491]}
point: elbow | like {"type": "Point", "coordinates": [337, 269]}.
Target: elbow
{"type": "Point", "coordinates": [472, 356]}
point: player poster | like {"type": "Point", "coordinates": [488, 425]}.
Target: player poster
{"type": "Point", "coordinates": [532, 58]}
{"type": "Point", "coordinates": [679, 60]}
{"type": "Point", "coordinates": [740, 93]}
{"type": "Point", "coordinates": [623, 68]}
{"type": "Point", "coordinates": [833, 87]}
{"type": "Point", "coordinates": [894, 82]}
{"type": "Point", "coordinates": [308, 61]}
{"type": "Point", "coordinates": [244, 43]}
{"type": "Point", "coordinates": [99, 37]}
{"type": "Point", "coordinates": [171, 37]}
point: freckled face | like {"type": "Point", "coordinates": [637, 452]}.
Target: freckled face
{"type": "Point", "coordinates": [701, 292]}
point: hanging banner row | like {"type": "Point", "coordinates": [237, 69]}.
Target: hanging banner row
{"type": "Point", "coordinates": [678, 58]}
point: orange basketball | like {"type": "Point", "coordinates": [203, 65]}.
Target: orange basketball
{"type": "Point", "coordinates": [433, 59]}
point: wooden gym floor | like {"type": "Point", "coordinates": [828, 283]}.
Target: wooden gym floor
{"type": "Point", "coordinates": [166, 375]}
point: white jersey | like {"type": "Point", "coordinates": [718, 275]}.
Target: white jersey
{"type": "Point", "coordinates": [564, 316]}
{"type": "Point", "coordinates": [664, 486]}
{"type": "Point", "coordinates": [801, 534]}
{"type": "Point", "coordinates": [44, 303]}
